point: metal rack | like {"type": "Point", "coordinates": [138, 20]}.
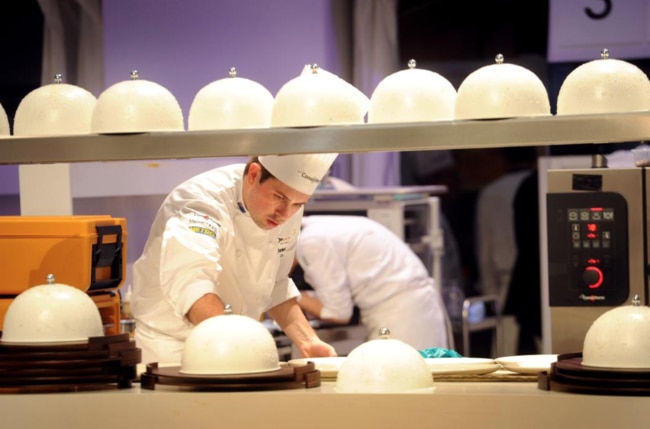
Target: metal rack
{"type": "Point", "coordinates": [535, 131]}
{"type": "Point", "coordinates": [492, 322]}
{"type": "Point", "coordinates": [447, 135]}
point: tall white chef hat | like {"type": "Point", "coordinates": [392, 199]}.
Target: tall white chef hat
{"type": "Point", "coordinates": [303, 172]}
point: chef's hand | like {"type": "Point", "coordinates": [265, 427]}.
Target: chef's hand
{"type": "Point", "coordinates": [293, 322]}
{"type": "Point", "coordinates": [316, 348]}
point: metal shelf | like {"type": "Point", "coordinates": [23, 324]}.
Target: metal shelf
{"type": "Point", "coordinates": [469, 134]}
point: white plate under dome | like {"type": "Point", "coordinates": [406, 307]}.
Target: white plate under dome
{"type": "Point", "coordinates": [527, 364]}
{"type": "Point", "coordinates": [329, 366]}
{"type": "Point", "coordinates": [461, 365]}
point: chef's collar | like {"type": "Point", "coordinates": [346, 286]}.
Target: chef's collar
{"type": "Point", "coordinates": [241, 207]}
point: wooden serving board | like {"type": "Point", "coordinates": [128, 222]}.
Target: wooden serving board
{"type": "Point", "coordinates": [100, 363]}
{"type": "Point", "coordinates": [285, 377]}
{"type": "Point", "coordinates": [569, 375]}
{"type": "Point", "coordinates": [498, 376]}
{"type": "Point", "coordinates": [97, 366]}
{"type": "Point", "coordinates": [57, 388]}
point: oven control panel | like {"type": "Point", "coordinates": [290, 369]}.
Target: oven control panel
{"type": "Point", "coordinates": [587, 249]}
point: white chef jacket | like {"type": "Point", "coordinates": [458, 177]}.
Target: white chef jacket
{"type": "Point", "coordinates": [354, 260]}
{"type": "Point", "coordinates": [203, 240]}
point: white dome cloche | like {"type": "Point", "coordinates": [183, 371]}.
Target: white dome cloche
{"type": "Point", "coordinates": [136, 105]}
{"type": "Point", "coordinates": [501, 90]}
{"type": "Point", "coordinates": [229, 344]}
{"type": "Point", "coordinates": [51, 313]}
{"type": "Point", "coordinates": [606, 85]}
{"type": "Point", "coordinates": [619, 338]}
{"type": "Point", "coordinates": [412, 95]}
{"type": "Point", "coordinates": [318, 97]}
{"type": "Point", "coordinates": [231, 103]}
{"type": "Point", "coordinates": [55, 109]}
{"type": "Point", "coordinates": [384, 365]}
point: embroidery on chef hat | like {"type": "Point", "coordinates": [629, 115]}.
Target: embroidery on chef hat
{"type": "Point", "coordinates": [203, 224]}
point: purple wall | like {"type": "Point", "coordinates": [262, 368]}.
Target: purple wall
{"type": "Point", "coordinates": [184, 45]}
{"type": "Point", "coordinates": [8, 179]}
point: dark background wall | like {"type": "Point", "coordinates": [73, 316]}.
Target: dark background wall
{"type": "Point", "coordinates": [455, 39]}
{"type": "Point", "coordinates": [21, 38]}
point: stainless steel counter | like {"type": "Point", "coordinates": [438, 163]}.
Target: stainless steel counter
{"type": "Point", "coordinates": [481, 405]}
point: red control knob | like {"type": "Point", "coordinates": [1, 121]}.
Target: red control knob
{"type": "Point", "coordinates": [593, 277]}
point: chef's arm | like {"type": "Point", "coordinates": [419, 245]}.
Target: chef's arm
{"type": "Point", "coordinates": [205, 307]}
{"type": "Point", "coordinates": [312, 305]}
{"type": "Point", "coordinates": [293, 322]}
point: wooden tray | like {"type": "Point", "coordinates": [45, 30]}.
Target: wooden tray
{"type": "Point", "coordinates": [569, 375]}
{"type": "Point", "coordinates": [285, 377]}
{"type": "Point", "coordinates": [93, 343]}
{"type": "Point", "coordinates": [100, 363]}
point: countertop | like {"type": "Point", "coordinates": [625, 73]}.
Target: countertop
{"type": "Point", "coordinates": [453, 405]}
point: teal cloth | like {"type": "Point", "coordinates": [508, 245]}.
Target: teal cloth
{"type": "Point", "coordinates": [439, 352]}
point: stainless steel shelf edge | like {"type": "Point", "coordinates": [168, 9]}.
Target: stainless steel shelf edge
{"type": "Point", "coordinates": [469, 134]}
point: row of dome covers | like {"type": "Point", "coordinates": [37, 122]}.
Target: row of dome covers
{"type": "Point", "coordinates": [317, 97]}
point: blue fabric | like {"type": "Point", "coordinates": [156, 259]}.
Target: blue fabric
{"type": "Point", "coordinates": [439, 352]}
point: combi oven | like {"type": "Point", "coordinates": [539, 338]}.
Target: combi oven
{"type": "Point", "coordinates": [597, 232]}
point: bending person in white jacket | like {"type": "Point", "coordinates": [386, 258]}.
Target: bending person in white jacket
{"type": "Point", "coordinates": [355, 261]}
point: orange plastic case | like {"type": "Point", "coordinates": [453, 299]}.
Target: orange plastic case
{"type": "Point", "coordinates": [87, 252]}
{"type": "Point", "coordinates": [110, 309]}
{"type": "Point", "coordinates": [4, 306]}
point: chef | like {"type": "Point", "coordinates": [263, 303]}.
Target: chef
{"type": "Point", "coordinates": [355, 261]}
{"type": "Point", "coordinates": [226, 236]}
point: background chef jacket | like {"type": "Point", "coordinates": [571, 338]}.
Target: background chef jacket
{"type": "Point", "coordinates": [203, 240]}
{"type": "Point", "coordinates": [354, 260]}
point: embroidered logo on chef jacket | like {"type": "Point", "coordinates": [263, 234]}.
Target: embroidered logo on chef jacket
{"type": "Point", "coordinates": [282, 245]}
{"type": "Point", "coordinates": [203, 224]}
